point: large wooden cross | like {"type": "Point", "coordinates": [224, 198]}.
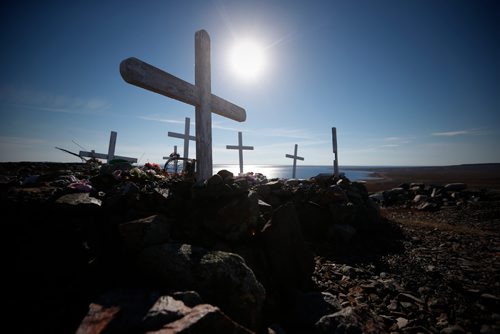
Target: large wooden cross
{"type": "Point", "coordinates": [335, 152]}
{"type": "Point", "coordinates": [111, 151]}
{"type": "Point", "coordinates": [186, 138]}
{"type": "Point", "coordinates": [240, 148]}
{"type": "Point", "coordinates": [295, 157]}
{"type": "Point", "coordinates": [139, 73]}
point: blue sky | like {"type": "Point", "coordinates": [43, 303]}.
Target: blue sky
{"type": "Point", "coordinates": [405, 82]}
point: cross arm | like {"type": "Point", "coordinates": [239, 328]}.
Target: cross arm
{"type": "Point", "coordinates": [139, 73]}
{"type": "Point", "coordinates": [105, 156]}
{"type": "Point", "coordinates": [93, 155]}
{"type": "Point", "coordinates": [235, 147]}
{"type": "Point", "coordinates": [179, 135]}
{"type": "Point", "coordinates": [144, 75]}
{"type": "Point", "coordinates": [293, 157]}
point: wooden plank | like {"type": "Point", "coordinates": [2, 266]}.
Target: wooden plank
{"type": "Point", "coordinates": [180, 135]}
{"type": "Point", "coordinates": [334, 139]}
{"type": "Point", "coordinates": [105, 156]}
{"type": "Point", "coordinates": [233, 147]}
{"type": "Point", "coordinates": [112, 145]}
{"type": "Point", "coordinates": [335, 152]}
{"type": "Point", "coordinates": [293, 157]}
{"type": "Point", "coordinates": [227, 109]}
{"type": "Point", "coordinates": [93, 155]}
{"type": "Point", "coordinates": [144, 75]}
{"type": "Point", "coordinates": [202, 79]}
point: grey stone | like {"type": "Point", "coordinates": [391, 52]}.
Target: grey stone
{"type": "Point", "coordinates": [420, 198]}
{"type": "Point", "coordinates": [454, 329]}
{"type": "Point", "coordinates": [237, 219]}
{"type": "Point", "coordinates": [165, 310]}
{"type": "Point", "coordinates": [226, 175]}
{"type": "Point", "coordinates": [221, 278]}
{"type": "Point", "coordinates": [203, 319]}
{"type": "Point", "coordinates": [343, 321]}
{"type": "Point", "coordinates": [141, 233]}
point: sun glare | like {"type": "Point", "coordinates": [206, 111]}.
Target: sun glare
{"type": "Point", "coordinates": [247, 60]}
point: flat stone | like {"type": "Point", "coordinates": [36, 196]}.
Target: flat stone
{"type": "Point", "coordinates": [402, 322]}
{"type": "Point", "coordinates": [97, 319]}
{"type": "Point", "coordinates": [203, 319]}
{"type": "Point", "coordinates": [78, 199]}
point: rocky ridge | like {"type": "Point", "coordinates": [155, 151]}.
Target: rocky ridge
{"type": "Point", "coordinates": [116, 248]}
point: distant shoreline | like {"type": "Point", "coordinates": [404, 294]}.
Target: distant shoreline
{"type": "Point", "coordinates": [474, 175]}
{"type": "Point", "coordinates": [484, 175]}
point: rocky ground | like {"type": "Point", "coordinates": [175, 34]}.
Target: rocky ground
{"type": "Point", "coordinates": [119, 249]}
{"type": "Point", "coordinates": [445, 279]}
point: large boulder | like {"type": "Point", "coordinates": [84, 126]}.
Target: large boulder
{"type": "Point", "coordinates": [237, 219]}
{"type": "Point", "coordinates": [221, 278]}
{"type": "Point", "coordinates": [141, 233]}
{"type": "Point", "coordinates": [290, 260]}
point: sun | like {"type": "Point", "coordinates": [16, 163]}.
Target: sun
{"type": "Point", "coordinates": [247, 59]}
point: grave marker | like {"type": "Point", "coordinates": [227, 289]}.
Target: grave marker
{"type": "Point", "coordinates": [240, 148]}
{"type": "Point", "coordinates": [139, 73]}
{"type": "Point", "coordinates": [295, 158]}
{"type": "Point", "coordinates": [175, 161]}
{"type": "Point", "coordinates": [335, 152]}
{"type": "Point", "coordinates": [186, 138]}
{"type": "Point", "coordinates": [111, 152]}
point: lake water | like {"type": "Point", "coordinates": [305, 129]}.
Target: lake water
{"type": "Point", "coordinates": [303, 172]}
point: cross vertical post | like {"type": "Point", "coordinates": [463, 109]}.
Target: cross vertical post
{"type": "Point", "coordinates": [112, 145]}
{"type": "Point", "coordinates": [335, 152]}
{"type": "Point", "coordinates": [240, 148]}
{"type": "Point", "coordinates": [295, 157]}
{"type": "Point", "coordinates": [111, 152]}
{"type": "Point", "coordinates": [203, 110]}
{"type": "Point", "coordinates": [186, 136]}
{"type": "Point", "coordinates": [175, 161]}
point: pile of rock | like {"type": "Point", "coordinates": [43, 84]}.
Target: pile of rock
{"type": "Point", "coordinates": [430, 197]}
{"type": "Point", "coordinates": [242, 243]}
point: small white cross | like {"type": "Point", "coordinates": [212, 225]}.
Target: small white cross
{"type": "Point", "coordinates": [175, 160]}
{"type": "Point", "coordinates": [186, 138]}
{"type": "Point", "coordinates": [295, 158]}
{"type": "Point", "coordinates": [240, 148]}
{"type": "Point", "coordinates": [111, 152]}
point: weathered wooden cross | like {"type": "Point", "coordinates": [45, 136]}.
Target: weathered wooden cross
{"type": "Point", "coordinates": [295, 158]}
{"type": "Point", "coordinates": [175, 161]}
{"type": "Point", "coordinates": [335, 152]}
{"type": "Point", "coordinates": [186, 138]}
{"type": "Point", "coordinates": [139, 73]}
{"type": "Point", "coordinates": [111, 152]}
{"type": "Point", "coordinates": [240, 148]}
